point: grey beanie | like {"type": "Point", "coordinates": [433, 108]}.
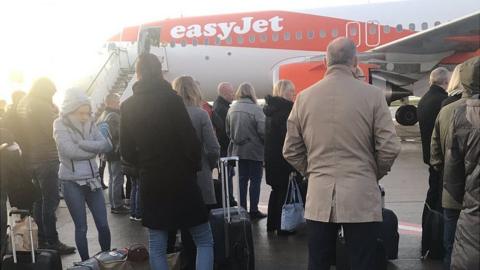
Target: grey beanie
{"type": "Point", "coordinates": [74, 99]}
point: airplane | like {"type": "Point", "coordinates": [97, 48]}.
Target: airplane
{"type": "Point", "coordinates": [399, 43]}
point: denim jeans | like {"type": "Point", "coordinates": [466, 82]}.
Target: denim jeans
{"type": "Point", "coordinates": [250, 170]}
{"type": "Point", "coordinates": [45, 176]}
{"type": "Point", "coordinates": [115, 184]}
{"type": "Point", "coordinates": [202, 236]}
{"type": "Point", "coordinates": [450, 218]}
{"type": "Point", "coordinates": [76, 196]}
{"type": "Point", "coordinates": [361, 242]}
{"type": "Point", "coordinates": [135, 205]}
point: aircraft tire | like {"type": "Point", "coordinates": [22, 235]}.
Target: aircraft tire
{"type": "Point", "coordinates": [406, 115]}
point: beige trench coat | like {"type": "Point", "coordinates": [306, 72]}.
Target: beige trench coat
{"type": "Point", "coordinates": [340, 134]}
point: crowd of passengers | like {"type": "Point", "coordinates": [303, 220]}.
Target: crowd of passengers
{"type": "Point", "coordinates": [166, 140]}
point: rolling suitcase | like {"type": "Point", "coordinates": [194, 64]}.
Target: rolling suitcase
{"type": "Point", "coordinates": [40, 259]}
{"type": "Point", "coordinates": [231, 228]}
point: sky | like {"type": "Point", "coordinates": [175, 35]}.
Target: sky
{"type": "Point", "coordinates": [62, 38]}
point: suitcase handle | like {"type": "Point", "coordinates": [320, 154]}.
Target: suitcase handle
{"type": "Point", "coordinates": [224, 164]}
{"type": "Point", "coordinates": [14, 248]}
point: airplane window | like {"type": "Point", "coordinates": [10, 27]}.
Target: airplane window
{"type": "Point", "coordinates": [424, 26]}
{"type": "Point", "coordinates": [275, 37]}
{"type": "Point", "coordinates": [310, 34]}
{"type": "Point", "coordinates": [372, 30]}
{"type": "Point", "coordinates": [218, 41]}
{"type": "Point", "coordinates": [334, 32]}
{"type": "Point", "coordinates": [172, 44]}
{"type": "Point", "coordinates": [399, 28]}
{"type": "Point", "coordinates": [251, 39]}
{"type": "Point", "coordinates": [386, 29]}
{"type": "Point", "coordinates": [298, 35]}
{"type": "Point", "coordinates": [323, 33]}
{"type": "Point", "coordinates": [263, 38]}
{"type": "Point", "coordinates": [411, 26]}
{"type": "Point", "coordinates": [353, 31]}
{"type": "Point", "coordinates": [194, 42]}
{"type": "Point", "coordinates": [184, 43]}
{"type": "Point", "coordinates": [240, 40]}
{"type": "Point", "coordinates": [437, 23]}
{"type": "Point", "coordinates": [229, 40]}
{"type": "Point", "coordinates": [286, 36]}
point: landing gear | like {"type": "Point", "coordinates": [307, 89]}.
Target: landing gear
{"type": "Point", "coordinates": [406, 115]}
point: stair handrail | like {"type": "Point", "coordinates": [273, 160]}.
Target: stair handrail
{"type": "Point", "coordinates": [89, 89]}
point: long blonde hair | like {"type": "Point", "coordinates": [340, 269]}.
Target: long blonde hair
{"type": "Point", "coordinates": [246, 90]}
{"type": "Point", "coordinates": [188, 89]}
{"type": "Point", "coordinates": [281, 87]}
{"type": "Point", "coordinates": [455, 83]}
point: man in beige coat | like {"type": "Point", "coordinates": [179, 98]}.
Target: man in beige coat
{"type": "Point", "coordinates": [340, 134]}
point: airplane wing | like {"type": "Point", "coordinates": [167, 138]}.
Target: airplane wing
{"type": "Point", "coordinates": [460, 35]}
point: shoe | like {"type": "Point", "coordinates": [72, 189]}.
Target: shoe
{"type": "Point", "coordinates": [137, 219]}
{"type": "Point", "coordinates": [122, 210]}
{"type": "Point", "coordinates": [61, 248]}
{"type": "Point", "coordinates": [132, 218]}
{"type": "Point", "coordinates": [257, 215]}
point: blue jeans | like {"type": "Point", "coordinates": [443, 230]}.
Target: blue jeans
{"type": "Point", "coordinates": [115, 184]}
{"type": "Point", "coordinates": [45, 176]}
{"type": "Point", "coordinates": [250, 170]}
{"type": "Point", "coordinates": [135, 205]}
{"type": "Point", "coordinates": [202, 236]}
{"type": "Point", "coordinates": [450, 218]}
{"type": "Point", "coordinates": [75, 197]}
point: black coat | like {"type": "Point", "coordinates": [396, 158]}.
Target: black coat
{"type": "Point", "coordinates": [157, 137]}
{"type": "Point", "coordinates": [220, 110]}
{"type": "Point", "coordinates": [427, 111]}
{"type": "Point", "coordinates": [277, 169]}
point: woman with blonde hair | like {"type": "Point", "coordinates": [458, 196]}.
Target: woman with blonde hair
{"type": "Point", "coordinates": [455, 88]}
{"type": "Point", "coordinates": [187, 88]}
{"type": "Point", "coordinates": [245, 126]}
{"type": "Point", "coordinates": [277, 169]}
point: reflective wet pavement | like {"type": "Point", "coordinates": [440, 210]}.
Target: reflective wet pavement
{"type": "Point", "coordinates": [405, 187]}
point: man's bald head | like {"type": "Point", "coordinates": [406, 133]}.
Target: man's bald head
{"type": "Point", "coordinates": [342, 51]}
{"type": "Point", "coordinates": [225, 90]}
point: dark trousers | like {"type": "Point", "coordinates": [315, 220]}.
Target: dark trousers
{"type": "Point", "coordinates": [360, 238]}
{"type": "Point", "coordinates": [45, 176]}
{"type": "Point", "coordinates": [450, 218]}
{"type": "Point", "coordinates": [250, 170]}
{"type": "Point", "coordinates": [275, 203]}
{"type": "Point", "coordinates": [434, 200]}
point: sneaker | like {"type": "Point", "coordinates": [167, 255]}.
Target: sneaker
{"type": "Point", "coordinates": [132, 218]}
{"type": "Point", "coordinates": [257, 215]}
{"type": "Point", "coordinates": [61, 248]}
{"type": "Point", "coordinates": [122, 210]}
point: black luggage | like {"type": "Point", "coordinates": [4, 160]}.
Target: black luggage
{"type": "Point", "coordinates": [40, 259]}
{"type": "Point", "coordinates": [343, 261]}
{"type": "Point", "coordinates": [389, 234]}
{"type": "Point", "coordinates": [231, 228]}
{"type": "Point", "coordinates": [432, 235]}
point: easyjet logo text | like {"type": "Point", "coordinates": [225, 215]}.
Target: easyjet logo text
{"type": "Point", "coordinates": [224, 29]}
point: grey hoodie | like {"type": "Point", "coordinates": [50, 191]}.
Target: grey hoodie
{"type": "Point", "coordinates": [78, 143]}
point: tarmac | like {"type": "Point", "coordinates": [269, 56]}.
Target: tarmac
{"type": "Point", "coordinates": [405, 187]}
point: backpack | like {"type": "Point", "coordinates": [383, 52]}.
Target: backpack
{"type": "Point", "coordinates": [104, 128]}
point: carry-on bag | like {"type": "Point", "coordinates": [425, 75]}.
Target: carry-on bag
{"type": "Point", "coordinates": [231, 227]}
{"type": "Point", "coordinates": [40, 259]}
{"type": "Point", "coordinates": [292, 209]}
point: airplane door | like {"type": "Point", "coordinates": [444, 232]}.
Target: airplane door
{"type": "Point", "coordinates": [372, 33]}
{"type": "Point", "coordinates": [353, 32]}
{"type": "Point", "coordinates": [150, 42]}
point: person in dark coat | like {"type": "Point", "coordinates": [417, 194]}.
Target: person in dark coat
{"type": "Point", "coordinates": [157, 137]}
{"type": "Point", "coordinates": [277, 169]}
{"type": "Point", "coordinates": [427, 111]}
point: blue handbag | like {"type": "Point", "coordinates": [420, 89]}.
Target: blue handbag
{"type": "Point", "coordinates": [292, 209]}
